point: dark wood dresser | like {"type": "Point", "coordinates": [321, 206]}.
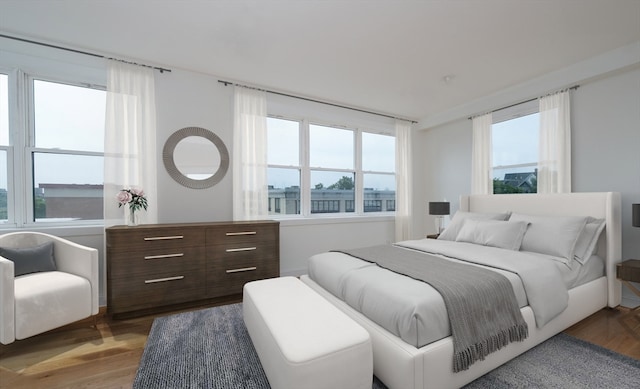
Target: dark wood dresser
{"type": "Point", "coordinates": [157, 267]}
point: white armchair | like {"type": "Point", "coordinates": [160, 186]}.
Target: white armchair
{"type": "Point", "coordinates": [38, 302]}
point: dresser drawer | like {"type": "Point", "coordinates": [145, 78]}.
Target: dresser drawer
{"type": "Point", "coordinates": [154, 261]}
{"type": "Point", "coordinates": [141, 238]}
{"type": "Point", "coordinates": [236, 251]}
{"type": "Point", "coordinates": [242, 234]}
{"type": "Point", "coordinates": [138, 291]}
{"type": "Point", "coordinates": [224, 278]}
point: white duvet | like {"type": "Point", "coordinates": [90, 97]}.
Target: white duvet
{"type": "Point", "coordinates": [415, 312]}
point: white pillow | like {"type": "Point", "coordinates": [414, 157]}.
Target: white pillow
{"type": "Point", "coordinates": [588, 239]}
{"type": "Point", "coordinates": [503, 234]}
{"type": "Point", "coordinates": [452, 230]}
{"type": "Point", "coordinates": [551, 235]}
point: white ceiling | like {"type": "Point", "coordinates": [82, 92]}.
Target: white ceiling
{"type": "Point", "coordinates": [383, 55]}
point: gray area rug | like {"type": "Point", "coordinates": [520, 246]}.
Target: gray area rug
{"type": "Point", "coordinates": [211, 348]}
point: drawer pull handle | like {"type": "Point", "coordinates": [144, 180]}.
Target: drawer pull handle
{"type": "Point", "coordinates": [241, 233]}
{"type": "Point", "coordinates": [163, 279]}
{"type": "Point", "coordinates": [241, 249]}
{"type": "Point", "coordinates": [163, 256]}
{"type": "Point", "coordinates": [165, 237]}
{"type": "Point", "coordinates": [241, 269]}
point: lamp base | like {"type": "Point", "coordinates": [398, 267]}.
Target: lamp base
{"type": "Point", "coordinates": [439, 221]}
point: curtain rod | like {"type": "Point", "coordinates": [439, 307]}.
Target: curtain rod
{"type": "Point", "coordinates": [226, 83]}
{"type": "Point", "coordinates": [162, 70]}
{"type": "Point", "coordinates": [523, 102]}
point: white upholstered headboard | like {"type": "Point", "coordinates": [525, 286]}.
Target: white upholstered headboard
{"type": "Point", "coordinates": [601, 205]}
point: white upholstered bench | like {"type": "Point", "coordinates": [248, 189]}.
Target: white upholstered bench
{"type": "Point", "coordinates": [302, 340]}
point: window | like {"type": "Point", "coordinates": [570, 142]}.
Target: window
{"type": "Point", "coordinates": [57, 155]}
{"type": "Point", "coordinates": [515, 149]}
{"type": "Point", "coordinates": [339, 169]}
{"type": "Point", "coordinates": [284, 171]}
{"type": "Point", "coordinates": [378, 166]}
{"type": "Point", "coordinates": [332, 173]}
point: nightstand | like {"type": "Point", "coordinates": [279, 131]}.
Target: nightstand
{"type": "Point", "coordinates": [629, 271]}
{"type": "Point", "coordinates": [433, 236]}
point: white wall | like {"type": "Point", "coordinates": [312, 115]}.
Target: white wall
{"type": "Point", "coordinates": [187, 99]}
{"type": "Point", "coordinates": [445, 172]}
{"type": "Point", "coordinates": [605, 151]}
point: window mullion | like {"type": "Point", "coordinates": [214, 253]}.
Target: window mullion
{"type": "Point", "coordinates": [19, 122]}
{"type": "Point", "coordinates": [359, 182]}
{"type": "Point", "coordinates": [305, 172]}
{"type": "Point", "coordinates": [28, 147]}
{"type": "Point", "coordinates": [14, 123]}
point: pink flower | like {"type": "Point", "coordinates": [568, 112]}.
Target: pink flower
{"type": "Point", "coordinates": [124, 197]}
{"type": "Point", "coordinates": [137, 192]}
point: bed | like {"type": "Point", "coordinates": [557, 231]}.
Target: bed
{"type": "Point", "coordinates": [405, 364]}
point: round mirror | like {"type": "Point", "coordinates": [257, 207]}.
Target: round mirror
{"type": "Point", "coordinates": [195, 157]}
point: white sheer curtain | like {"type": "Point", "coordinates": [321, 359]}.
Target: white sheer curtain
{"type": "Point", "coordinates": [481, 161]}
{"type": "Point", "coordinates": [403, 180]}
{"type": "Point", "coordinates": [554, 165]}
{"type": "Point", "coordinates": [130, 140]}
{"type": "Point", "coordinates": [250, 190]}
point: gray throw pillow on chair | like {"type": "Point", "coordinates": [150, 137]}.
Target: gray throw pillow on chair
{"type": "Point", "coordinates": [30, 259]}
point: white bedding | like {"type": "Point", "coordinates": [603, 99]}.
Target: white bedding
{"type": "Point", "coordinates": [413, 310]}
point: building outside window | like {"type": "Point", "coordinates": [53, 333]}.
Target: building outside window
{"type": "Point", "coordinates": [391, 205]}
{"type": "Point", "coordinates": [373, 205]}
{"type": "Point", "coordinates": [339, 169]}
{"type": "Point", "coordinates": [515, 133]}
{"type": "Point", "coordinates": [53, 154]}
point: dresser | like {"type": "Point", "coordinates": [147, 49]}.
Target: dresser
{"type": "Point", "coordinates": [157, 267]}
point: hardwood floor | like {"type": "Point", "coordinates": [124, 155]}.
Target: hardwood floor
{"type": "Point", "coordinates": [616, 329]}
{"type": "Point", "coordinates": [107, 355]}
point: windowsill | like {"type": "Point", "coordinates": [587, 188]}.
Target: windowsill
{"type": "Point", "coordinates": [62, 231]}
{"type": "Point", "coordinates": [98, 229]}
{"type": "Point", "coordinates": [323, 220]}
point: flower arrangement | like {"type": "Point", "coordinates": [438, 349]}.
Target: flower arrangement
{"type": "Point", "coordinates": [135, 199]}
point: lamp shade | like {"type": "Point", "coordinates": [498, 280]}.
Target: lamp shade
{"type": "Point", "coordinates": [438, 208]}
{"type": "Point", "coordinates": [635, 215]}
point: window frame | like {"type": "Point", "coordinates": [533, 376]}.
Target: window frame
{"type": "Point", "coordinates": [8, 148]}
{"type": "Point", "coordinates": [21, 148]}
{"type": "Point", "coordinates": [513, 112]}
{"type": "Point", "coordinates": [306, 211]}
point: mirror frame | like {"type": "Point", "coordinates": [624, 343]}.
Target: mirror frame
{"type": "Point", "coordinates": [172, 169]}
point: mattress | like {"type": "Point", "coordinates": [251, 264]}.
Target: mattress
{"type": "Point", "coordinates": [412, 309]}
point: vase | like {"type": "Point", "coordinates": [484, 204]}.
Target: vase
{"type": "Point", "coordinates": [133, 218]}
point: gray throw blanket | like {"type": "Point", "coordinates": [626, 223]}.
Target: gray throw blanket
{"type": "Point", "coordinates": [482, 307]}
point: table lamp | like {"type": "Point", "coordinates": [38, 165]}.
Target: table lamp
{"type": "Point", "coordinates": [439, 209]}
